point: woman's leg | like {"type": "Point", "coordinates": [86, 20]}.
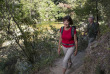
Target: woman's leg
{"type": "Point", "coordinates": [64, 50]}
{"type": "Point", "coordinates": [69, 63]}
{"type": "Point", "coordinates": [68, 54]}
{"type": "Point", "coordinates": [69, 60]}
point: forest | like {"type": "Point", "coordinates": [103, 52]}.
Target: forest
{"type": "Point", "coordinates": [29, 31]}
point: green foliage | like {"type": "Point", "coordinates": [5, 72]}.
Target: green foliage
{"type": "Point", "coordinates": [48, 43]}
{"type": "Point", "coordinates": [98, 70]}
{"type": "Point", "coordinates": [82, 43]}
{"type": "Point", "coordinates": [40, 47]}
{"type": "Point", "coordinates": [104, 29]}
{"type": "Point", "coordinates": [42, 52]}
{"type": "Point", "coordinates": [83, 9]}
{"type": "Point", "coordinates": [104, 8]}
{"type": "Point", "coordinates": [8, 65]}
{"type": "Point", "coordinates": [108, 48]}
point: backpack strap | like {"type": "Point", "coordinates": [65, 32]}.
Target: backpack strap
{"type": "Point", "coordinates": [62, 29]}
{"type": "Point", "coordinates": [72, 31]}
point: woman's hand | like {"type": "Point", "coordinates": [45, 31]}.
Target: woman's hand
{"type": "Point", "coordinates": [58, 51]}
{"type": "Point", "coordinates": [75, 53]}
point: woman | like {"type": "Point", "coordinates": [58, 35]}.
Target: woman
{"type": "Point", "coordinates": [69, 43]}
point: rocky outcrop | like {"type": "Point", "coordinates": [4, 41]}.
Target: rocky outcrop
{"type": "Point", "coordinates": [97, 57]}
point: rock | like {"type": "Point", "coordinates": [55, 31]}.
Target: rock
{"type": "Point", "coordinates": [97, 56]}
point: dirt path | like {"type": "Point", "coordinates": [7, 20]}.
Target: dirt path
{"type": "Point", "coordinates": [77, 62]}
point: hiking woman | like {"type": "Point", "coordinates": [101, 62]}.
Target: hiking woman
{"type": "Point", "coordinates": [68, 42]}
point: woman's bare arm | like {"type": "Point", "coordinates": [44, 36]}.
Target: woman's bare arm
{"type": "Point", "coordinates": [76, 43]}
{"type": "Point", "coordinates": [59, 44]}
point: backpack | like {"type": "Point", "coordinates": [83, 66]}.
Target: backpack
{"type": "Point", "coordinates": [95, 27]}
{"type": "Point", "coordinates": [72, 30]}
{"type": "Point", "coordinates": [72, 34]}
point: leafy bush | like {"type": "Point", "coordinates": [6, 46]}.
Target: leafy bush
{"type": "Point", "coordinates": [104, 29]}
{"type": "Point", "coordinates": [42, 49]}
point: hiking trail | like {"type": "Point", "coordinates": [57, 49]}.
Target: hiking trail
{"type": "Point", "coordinates": [76, 60]}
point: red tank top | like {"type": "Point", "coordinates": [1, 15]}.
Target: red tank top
{"type": "Point", "coordinates": [67, 38]}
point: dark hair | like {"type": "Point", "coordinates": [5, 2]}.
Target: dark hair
{"type": "Point", "coordinates": [69, 19]}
